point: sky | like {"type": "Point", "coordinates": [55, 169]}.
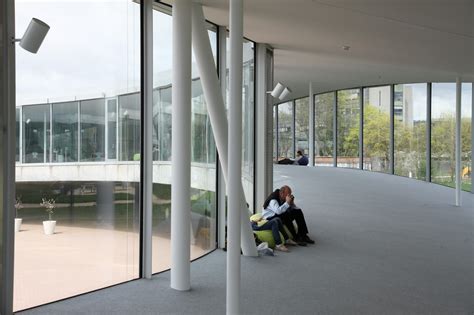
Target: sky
{"type": "Point", "coordinates": [93, 50]}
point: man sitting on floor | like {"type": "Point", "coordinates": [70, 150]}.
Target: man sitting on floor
{"type": "Point", "coordinates": [301, 158]}
{"type": "Point", "coordinates": [281, 204]}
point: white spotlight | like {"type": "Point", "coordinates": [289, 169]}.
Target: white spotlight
{"type": "Point", "coordinates": [34, 35]}
{"type": "Point", "coordinates": [285, 93]}
{"type": "Point", "coordinates": [277, 90]}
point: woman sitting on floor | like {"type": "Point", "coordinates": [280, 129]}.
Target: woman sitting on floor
{"type": "Point", "coordinates": [276, 226]}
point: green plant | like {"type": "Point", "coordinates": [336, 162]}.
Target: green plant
{"type": "Point", "coordinates": [49, 205]}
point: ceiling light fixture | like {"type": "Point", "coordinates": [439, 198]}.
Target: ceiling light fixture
{"type": "Point", "coordinates": [280, 91]}
{"type": "Point", "coordinates": [34, 36]}
{"type": "Point", "coordinates": [285, 94]}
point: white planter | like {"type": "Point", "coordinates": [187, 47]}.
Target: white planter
{"type": "Point", "coordinates": [18, 224]}
{"type": "Point", "coordinates": [48, 227]}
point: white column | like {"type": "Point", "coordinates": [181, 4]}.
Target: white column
{"type": "Point", "coordinates": [311, 125]}
{"type": "Point", "coordinates": [458, 141]}
{"type": "Point", "coordinates": [235, 157]}
{"type": "Point", "coordinates": [221, 191]}
{"type": "Point", "coordinates": [147, 159]}
{"type": "Point", "coordinates": [217, 114]}
{"type": "Point", "coordinates": [181, 146]}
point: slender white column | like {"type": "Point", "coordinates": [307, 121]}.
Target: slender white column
{"type": "Point", "coordinates": [181, 146]}
{"type": "Point", "coordinates": [458, 141]}
{"type": "Point", "coordinates": [221, 191]}
{"type": "Point", "coordinates": [311, 125]}
{"type": "Point", "coordinates": [235, 157]}
{"type": "Point", "coordinates": [217, 114]}
{"type": "Point", "coordinates": [147, 160]}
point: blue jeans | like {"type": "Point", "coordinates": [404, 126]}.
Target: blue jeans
{"type": "Point", "coordinates": [276, 225]}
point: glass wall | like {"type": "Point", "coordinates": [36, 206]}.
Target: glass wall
{"type": "Point", "coordinates": [376, 129]}
{"type": "Point", "coordinates": [65, 132]}
{"type": "Point", "coordinates": [80, 221]}
{"type": "Point", "coordinates": [285, 131]}
{"type": "Point", "coordinates": [348, 111]}
{"type": "Point", "coordinates": [203, 150]}
{"type": "Point", "coordinates": [323, 129]}
{"type": "Point", "coordinates": [410, 130]}
{"type": "Point", "coordinates": [443, 122]}
{"type": "Point", "coordinates": [410, 119]}
{"type": "Point", "coordinates": [92, 118]}
{"type": "Point", "coordinates": [129, 127]}
{"type": "Point", "coordinates": [111, 130]}
{"type": "Point", "coordinates": [466, 136]}
{"type": "Point", "coordinates": [17, 119]}
{"type": "Point", "coordinates": [302, 124]}
{"type": "Point", "coordinates": [248, 114]}
{"type": "Point", "coordinates": [36, 134]}
{"type": "Point", "coordinates": [275, 133]}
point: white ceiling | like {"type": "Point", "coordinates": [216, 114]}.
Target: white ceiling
{"type": "Point", "coordinates": [391, 40]}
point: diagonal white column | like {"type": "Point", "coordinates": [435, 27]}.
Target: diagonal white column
{"type": "Point", "coordinates": [181, 146]}
{"type": "Point", "coordinates": [217, 114]}
{"type": "Point", "coordinates": [235, 157]}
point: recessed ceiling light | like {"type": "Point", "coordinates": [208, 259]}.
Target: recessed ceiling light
{"type": "Point", "coordinates": [346, 47]}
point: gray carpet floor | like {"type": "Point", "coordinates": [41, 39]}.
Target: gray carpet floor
{"type": "Point", "coordinates": [385, 245]}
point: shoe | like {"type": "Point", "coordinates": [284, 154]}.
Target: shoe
{"type": "Point", "coordinates": [290, 242]}
{"type": "Point", "coordinates": [281, 248]}
{"type": "Point", "coordinates": [300, 241]}
{"type": "Point", "coordinates": [307, 239]}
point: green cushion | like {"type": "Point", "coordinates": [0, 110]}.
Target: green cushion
{"type": "Point", "coordinates": [267, 236]}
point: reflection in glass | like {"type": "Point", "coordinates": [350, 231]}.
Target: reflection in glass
{"type": "Point", "coordinates": [275, 133]}
{"type": "Point", "coordinates": [36, 133]}
{"type": "Point", "coordinates": [466, 134]}
{"type": "Point", "coordinates": [348, 111]}
{"type": "Point", "coordinates": [65, 125]}
{"type": "Point", "coordinates": [376, 139]}
{"type": "Point", "coordinates": [17, 126]}
{"type": "Point", "coordinates": [248, 120]}
{"type": "Point", "coordinates": [302, 124]}
{"type": "Point", "coordinates": [443, 110]}
{"type": "Point", "coordinates": [323, 129]}
{"type": "Point", "coordinates": [112, 129]}
{"type": "Point", "coordinates": [203, 203]}
{"type": "Point", "coordinates": [410, 130]}
{"type": "Point", "coordinates": [96, 240]}
{"type": "Point", "coordinates": [93, 130]}
{"type": "Point", "coordinates": [285, 131]}
{"type": "Point", "coordinates": [129, 127]}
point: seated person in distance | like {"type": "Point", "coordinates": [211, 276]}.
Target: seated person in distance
{"type": "Point", "coordinates": [301, 158]}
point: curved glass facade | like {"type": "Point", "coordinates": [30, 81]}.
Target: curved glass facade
{"type": "Point", "coordinates": [79, 129]}
{"type": "Point", "coordinates": [402, 129]}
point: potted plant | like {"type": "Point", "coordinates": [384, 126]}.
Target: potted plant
{"type": "Point", "coordinates": [50, 225]}
{"type": "Point", "coordinates": [18, 206]}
